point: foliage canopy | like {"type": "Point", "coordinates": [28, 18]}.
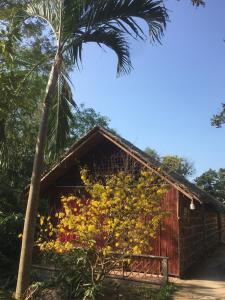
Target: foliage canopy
{"type": "Point", "coordinates": [175, 163]}
{"type": "Point", "coordinates": [219, 119]}
{"type": "Point", "coordinates": [213, 182]}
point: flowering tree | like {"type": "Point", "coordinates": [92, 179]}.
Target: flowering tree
{"type": "Point", "coordinates": [120, 214]}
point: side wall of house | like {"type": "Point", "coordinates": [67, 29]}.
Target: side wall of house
{"type": "Point", "coordinates": [223, 228]}
{"type": "Point", "coordinates": [212, 229]}
{"type": "Point", "coordinates": [169, 239]}
{"type": "Point", "coordinates": [200, 230]}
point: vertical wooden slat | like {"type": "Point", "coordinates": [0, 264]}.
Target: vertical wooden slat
{"type": "Point", "coordinates": [169, 234]}
{"type": "Point", "coordinates": [165, 270]}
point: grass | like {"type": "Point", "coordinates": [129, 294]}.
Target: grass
{"type": "Point", "coordinates": [166, 291]}
{"type": "Point", "coordinates": [115, 289]}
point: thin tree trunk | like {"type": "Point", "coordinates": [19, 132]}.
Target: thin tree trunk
{"type": "Point", "coordinates": [33, 198]}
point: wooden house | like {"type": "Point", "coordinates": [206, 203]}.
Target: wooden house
{"type": "Point", "coordinates": [188, 233]}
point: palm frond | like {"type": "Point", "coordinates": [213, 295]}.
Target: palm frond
{"type": "Point", "coordinates": [122, 14]}
{"type": "Point", "coordinates": [113, 39]}
{"type": "Point", "coordinates": [60, 116]}
{"type": "Point", "coordinates": [198, 2]}
{"type": "Point", "coordinates": [48, 10]}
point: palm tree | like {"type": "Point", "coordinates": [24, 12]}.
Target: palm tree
{"type": "Point", "coordinates": [74, 23]}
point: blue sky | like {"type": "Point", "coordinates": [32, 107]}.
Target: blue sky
{"type": "Point", "coordinates": [168, 99]}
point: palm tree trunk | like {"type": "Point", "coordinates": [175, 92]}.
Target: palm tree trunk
{"type": "Point", "coordinates": [32, 204]}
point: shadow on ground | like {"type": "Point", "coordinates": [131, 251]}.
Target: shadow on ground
{"type": "Point", "coordinates": [207, 281]}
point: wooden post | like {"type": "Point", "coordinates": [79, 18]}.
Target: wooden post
{"type": "Point", "coordinates": [123, 268]}
{"type": "Point", "coordinates": [165, 270]}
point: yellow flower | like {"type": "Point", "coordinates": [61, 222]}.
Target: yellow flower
{"type": "Point", "coordinates": [136, 250]}
{"type": "Point", "coordinates": [42, 220]}
{"type": "Point", "coordinates": [91, 228]}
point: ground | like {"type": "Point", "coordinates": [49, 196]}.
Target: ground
{"type": "Point", "coordinates": [208, 280]}
{"type": "Point", "coordinates": [115, 289]}
{"type": "Point", "coordinates": [119, 289]}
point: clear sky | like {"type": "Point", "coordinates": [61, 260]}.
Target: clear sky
{"type": "Point", "coordinates": [174, 89]}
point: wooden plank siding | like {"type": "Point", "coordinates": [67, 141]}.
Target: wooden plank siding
{"type": "Point", "coordinates": [222, 218]}
{"type": "Point", "coordinates": [200, 230]}
{"type": "Point", "coordinates": [191, 233]}
{"type": "Point", "coordinates": [169, 232]}
{"type": "Point", "coordinates": [212, 229]}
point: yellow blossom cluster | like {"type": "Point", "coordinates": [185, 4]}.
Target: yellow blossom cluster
{"type": "Point", "coordinates": [121, 213]}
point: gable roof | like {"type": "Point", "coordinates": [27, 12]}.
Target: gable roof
{"type": "Point", "coordinates": [97, 133]}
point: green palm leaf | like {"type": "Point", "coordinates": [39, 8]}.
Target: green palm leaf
{"type": "Point", "coordinates": [123, 14]}
{"type": "Point", "coordinates": [111, 38]}
{"type": "Point", "coordinates": [74, 23]}
{"type": "Point", "coordinates": [60, 117]}
{"type": "Point", "coordinates": [108, 22]}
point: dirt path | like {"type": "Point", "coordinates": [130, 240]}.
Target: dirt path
{"type": "Point", "coordinates": [207, 282]}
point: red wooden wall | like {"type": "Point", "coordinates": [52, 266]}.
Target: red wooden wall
{"type": "Point", "coordinates": [200, 230]}
{"type": "Point", "coordinates": [169, 234]}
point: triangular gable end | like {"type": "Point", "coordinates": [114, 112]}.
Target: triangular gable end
{"type": "Point", "coordinates": [96, 136]}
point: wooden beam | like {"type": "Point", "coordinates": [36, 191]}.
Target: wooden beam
{"type": "Point", "coordinates": [147, 164]}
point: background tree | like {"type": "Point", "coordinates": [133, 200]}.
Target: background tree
{"type": "Point", "coordinates": [219, 119]}
{"type": "Point", "coordinates": [19, 119]}
{"type": "Point", "coordinates": [20, 108]}
{"type": "Point", "coordinates": [11, 224]}
{"type": "Point", "coordinates": [180, 165]}
{"type": "Point", "coordinates": [213, 182]}
{"type": "Point", "coordinates": [153, 153]}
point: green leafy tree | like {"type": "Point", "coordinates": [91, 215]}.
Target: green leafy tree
{"type": "Point", "coordinates": [153, 153]}
{"type": "Point", "coordinates": [19, 119]}
{"type": "Point", "coordinates": [11, 224]}
{"type": "Point", "coordinates": [219, 119]}
{"type": "Point", "coordinates": [29, 50]}
{"type": "Point", "coordinates": [213, 182]}
{"type": "Point", "coordinates": [19, 116]}
{"type": "Point", "coordinates": [74, 23]}
{"type": "Point", "coordinates": [175, 163]}
{"type": "Point", "coordinates": [85, 119]}
{"type": "Point", "coordinates": [178, 164]}
{"type": "Point", "coordinates": [20, 107]}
